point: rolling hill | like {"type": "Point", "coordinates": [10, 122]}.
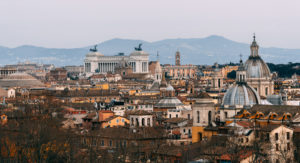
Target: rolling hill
{"type": "Point", "coordinates": [193, 51]}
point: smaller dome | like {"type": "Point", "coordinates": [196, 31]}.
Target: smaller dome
{"type": "Point", "coordinates": [240, 95]}
{"type": "Point", "coordinates": [257, 68]}
{"type": "Point", "coordinates": [169, 102]}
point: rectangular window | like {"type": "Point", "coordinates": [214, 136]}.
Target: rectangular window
{"type": "Point", "coordinates": [267, 137]}
{"type": "Point", "coordinates": [277, 147]}
{"type": "Point", "coordinates": [288, 146]}
{"type": "Point", "coordinates": [102, 142]}
{"type": "Point", "coordinates": [276, 136]}
{"type": "Point", "coordinates": [124, 143]}
{"type": "Point", "coordinates": [94, 142]}
{"type": "Point", "coordinates": [288, 136]}
{"type": "Point", "coordinates": [110, 143]}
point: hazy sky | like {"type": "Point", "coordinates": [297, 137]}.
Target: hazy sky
{"type": "Point", "coordinates": [78, 23]}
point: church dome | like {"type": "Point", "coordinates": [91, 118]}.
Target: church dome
{"type": "Point", "coordinates": [20, 79]}
{"type": "Point", "coordinates": [255, 66]}
{"type": "Point", "coordinates": [241, 95]}
{"type": "Point", "coordinates": [169, 102]}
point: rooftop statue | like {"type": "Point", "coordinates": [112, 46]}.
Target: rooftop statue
{"type": "Point", "coordinates": [139, 48]}
{"type": "Point", "coordinates": [94, 49]}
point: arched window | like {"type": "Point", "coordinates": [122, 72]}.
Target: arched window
{"type": "Point", "coordinates": [137, 122]}
{"type": "Point", "coordinates": [143, 121]}
{"type": "Point", "coordinates": [132, 122]}
{"type": "Point", "coordinates": [209, 117]}
{"type": "Point", "coordinates": [198, 117]}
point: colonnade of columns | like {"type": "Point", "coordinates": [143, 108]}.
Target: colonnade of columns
{"type": "Point", "coordinates": [7, 72]}
{"type": "Point", "coordinates": [105, 67]}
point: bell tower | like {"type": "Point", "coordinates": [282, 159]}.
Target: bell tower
{"type": "Point", "coordinates": [241, 73]}
{"type": "Point", "coordinates": [177, 58]}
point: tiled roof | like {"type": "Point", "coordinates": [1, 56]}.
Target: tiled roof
{"type": "Point", "coordinates": [139, 112]}
{"type": "Point", "coordinates": [176, 120]}
{"type": "Point", "coordinates": [279, 109]}
{"type": "Point", "coordinates": [127, 133]}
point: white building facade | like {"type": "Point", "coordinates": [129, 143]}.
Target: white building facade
{"type": "Point", "coordinates": [96, 62]}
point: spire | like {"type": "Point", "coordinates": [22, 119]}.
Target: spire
{"type": "Point", "coordinates": [157, 56]}
{"type": "Point", "coordinates": [241, 60]}
{"type": "Point", "coordinates": [241, 66]}
{"type": "Point", "coordinates": [254, 41]}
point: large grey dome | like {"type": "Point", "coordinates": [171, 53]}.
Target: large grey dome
{"type": "Point", "coordinates": [240, 95]}
{"type": "Point", "coordinates": [257, 68]}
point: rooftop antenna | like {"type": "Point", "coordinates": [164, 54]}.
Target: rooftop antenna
{"type": "Point", "coordinates": [157, 56]}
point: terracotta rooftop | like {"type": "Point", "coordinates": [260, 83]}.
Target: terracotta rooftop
{"type": "Point", "coordinates": [139, 112]}
{"type": "Point", "coordinates": [279, 109]}
{"type": "Point", "coordinates": [245, 124]}
{"type": "Point", "coordinates": [133, 134]}
{"type": "Point", "coordinates": [176, 120]}
{"type": "Point", "coordinates": [105, 111]}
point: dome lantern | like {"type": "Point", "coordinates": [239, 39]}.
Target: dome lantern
{"type": "Point", "coordinates": [254, 48]}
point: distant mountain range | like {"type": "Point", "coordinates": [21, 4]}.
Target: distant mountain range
{"type": "Point", "coordinates": [193, 51]}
